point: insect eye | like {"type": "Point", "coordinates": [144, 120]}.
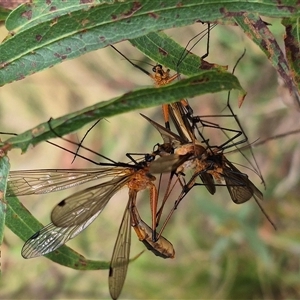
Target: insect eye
{"type": "Point", "coordinates": [154, 69]}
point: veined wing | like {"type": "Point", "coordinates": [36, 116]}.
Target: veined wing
{"type": "Point", "coordinates": [80, 211]}
{"type": "Point", "coordinates": [237, 187]}
{"type": "Point", "coordinates": [120, 257]}
{"type": "Point", "coordinates": [30, 182]}
{"type": "Point", "coordinates": [250, 184]}
{"type": "Point", "coordinates": [51, 237]}
{"type": "Point", "coordinates": [240, 187]}
{"type": "Point", "coordinates": [167, 135]}
{"type": "Point", "coordinates": [79, 207]}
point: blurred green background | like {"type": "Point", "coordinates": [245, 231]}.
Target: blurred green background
{"type": "Point", "coordinates": [223, 250]}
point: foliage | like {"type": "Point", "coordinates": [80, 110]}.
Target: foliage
{"type": "Point", "coordinates": [42, 35]}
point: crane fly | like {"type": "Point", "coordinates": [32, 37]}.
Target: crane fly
{"type": "Point", "coordinates": [120, 256]}
{"type": "Point", "coordinates": [185, 151]}
{"type": "Point", "coordinates": [176, 110]}
{"type": "Point", "coordinates": [209, 162]}
{"type": "Point", "coordinates": [213, 168]}
{"type": "Point", "coordinates": [162, 77]}
{"type": "Point", "coordinates": [76, 212]}
{"type": "Point", "coordinates": [211, 157]}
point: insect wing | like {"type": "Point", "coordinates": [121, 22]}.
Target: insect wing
{"type": "Point", "coordinates": [182, 125]}
{"type": "Point", "coordinates": [166, 164]}
{"type": "Point", "coordinates": [79, 207]}
{"type": "Point", "coordinates": [255, 190]}
{"type": "Point", "coordinates": [30, 182]}
{"type": "Point", "coordinates": [240, 188]}
{"type": "Point", "coordinates": [120, 257]}
{"type": "Point", "coordinates": [237, 188]}
{"type": "Point", "coordinates": [167, 135]}
{"type": "Point", "coordinates": [51, 237]}
{"type": "Point", "coordinates": [208, 182]}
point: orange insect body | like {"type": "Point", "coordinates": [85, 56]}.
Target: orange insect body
{"type": "Point", "coordinates": [141, 180]}
{"type": "Point", "coordinates": [161, 247]}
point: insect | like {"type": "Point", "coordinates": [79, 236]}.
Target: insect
{"type": "Point", "coordinates": [185, 151]}
{"type": "Point", "coordinates": [76, 212]}
{"type": "Point", "coordinates": [213, 168]}
{"type": "Point", "coordinates": [179, 110]}
{"type": "Point", "coordinates": [120, 257]}
{"type": "Point", "coordinates": [209, 163]}
{"type": "Point", "coordinates": [160, 246]}
{"type": "Point", "coordinates": [162, 77]}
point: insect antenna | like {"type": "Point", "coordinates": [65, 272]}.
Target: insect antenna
{"type": "Point", "coordinates": [131, 62]}
{"type": "Point", "coordinates": [110, 163]}
{"type": "Point", "coordinates": [73, 143]}
{"type": "Point", "coordinates": [79, 146]}
{"type": "Point", "coordinates": [81, 141]}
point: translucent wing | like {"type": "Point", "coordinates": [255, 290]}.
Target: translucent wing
{"type": "Point", "coordinates": [77, 212]}
{"type": "Point", "coordinates": [240, 188]}
{"type": "Point", "coordinates": [120, 257]}
{"type": "Point", "coordinates": [51, 237]}
{"type": "Point", "coordinates": [167, 135]}
{"type": "Point", "coordinates": [79, 207]}
{"type": "Point", "coordinates": [237, 188]}
{"type": "Point", "coordinates": [255, 190]}
{"type": "Point", "coordinates": [29, 182]}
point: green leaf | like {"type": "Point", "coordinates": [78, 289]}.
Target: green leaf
{"type": "Point", "coordinates": [161, 48]}
{"type": "Point", "coordinates": [20, 221]}
{"type": "Point", "coordinates": [206, 82]}
{"type": "Point", "coordinates": [4, 170]}
{"type": "Point", "coordinates": [42, 35]}
{"type": "Point", "coordinates": [36, 12]}
{"type": "Point", "coordinates": [257, 30]}
{"type": "Point", "coordinates": [292, 47]}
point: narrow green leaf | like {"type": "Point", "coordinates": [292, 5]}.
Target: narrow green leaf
{"type": "Point", "coordinates": [258, 31]}
{"type": "Point", "coordinates": [20, 221]}
{"type": "Point", "coordinates": [292, 47]}
{"type": "Point", "coordinates": [36, 12]}
{"type": "Point", "coordinates": [207, 82]}
{"type": "Point", "coordinates": [55, 36]}
{"type": "Point", "coordinates": [161, 48]}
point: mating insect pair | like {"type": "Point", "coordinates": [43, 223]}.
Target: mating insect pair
{"type": "Point", "coordinates": [75, 213]}
{"type": "Point", "coordinates": [207, 161]}
{"type": "Point", "coordinates": [178, 152]}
